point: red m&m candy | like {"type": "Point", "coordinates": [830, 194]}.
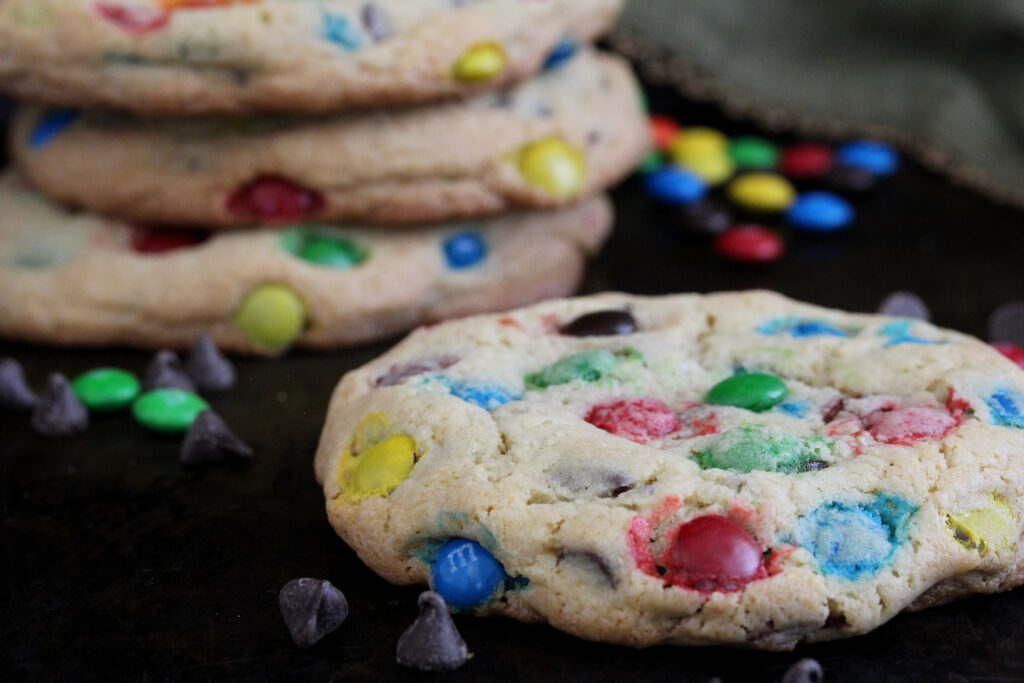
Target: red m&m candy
{"type": "Point", "coordinates": [805, 160]}
{"type": "Point", "coordinates": [749, 244]}
{"type": "Point", "coordinates": [714, 553]}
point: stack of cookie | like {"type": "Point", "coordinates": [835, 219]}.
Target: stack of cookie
{"type": "Point", "coordinates": [280, 173]}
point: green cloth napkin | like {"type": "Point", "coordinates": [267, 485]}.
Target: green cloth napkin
{"type": "Point", "coordinates": [943, 77]}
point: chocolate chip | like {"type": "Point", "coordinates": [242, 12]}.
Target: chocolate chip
{"type": "Point", "coordinates": [591, 482]}
{"type": "Point", "coordinates": [1006, 324]}
{"type": "Point", "coordinates": [600, 324]}
{"type": "Point", "coordinates": [15, 393]}
{"type": "Point", "coordinates": [814, 466]}
{"type": "Point", "coordinates": [210, 440]}
{"type": "Point", "coordinates": [311, 608]}
{"type": "Point", "coordinates": [402, 371]}
{"type": "Point", "coordinates": [432, 643]}
{"type": "Point", "coordinates": [376, 22]}
{"type": "Point", "coordinates": [164, 372]}
{"type": "Point", "coordinates": [804, 671]}
{"type": "Point", "coordinates": [595, 563]}
{"type": "Point", "coordinates": [58, 411]}
{"type": "Point", "coordinates": [704, 217]}
{"type": "Point", "coordinates": [905, 305]}
{"type": "Point", "coordinates": [849, 179]}
{"type": "Point", "coordinates": [207, 367]}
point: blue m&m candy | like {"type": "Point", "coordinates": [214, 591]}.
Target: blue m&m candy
{"type": "Point", "coordinates": [673, 185]}
{"type": "Point", "coordinates": [465, 250]}
{"type": "Point", "coordinates": [565, 50]}
{"type": "Point", "coordinates": [465, 574]}
{"type": "Point", "coordinates": [872, 156]}
{"type": "Point", "coordinates": [820, 212]}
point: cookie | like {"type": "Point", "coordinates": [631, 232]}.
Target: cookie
{"type": "Point", "coordinates": [569, 133]}
{"type": "Point", "coordinates": [735, 468]}
{"type": "Point", "coordinates": [79, 279]}
{"type": "Point", "coordinates": [173, 57]}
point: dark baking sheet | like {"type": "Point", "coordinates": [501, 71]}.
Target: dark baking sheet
{"type": "Point", "coordinates": [118, 564]}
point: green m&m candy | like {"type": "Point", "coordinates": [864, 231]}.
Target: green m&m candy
{"type": "Point", "coordinates": [586, 366]}
{"type": "Point", "coordinates": [106, 389]}
{"type": "Point", "coordinates": [168, 410]}
{"type": "Point", "coordinates": [323, 248]}
{"type": "Point", "coordinates": [754, 391]}
{"type": "Point", "coordinates": [759, 447]}
{"type": "Point", "coordinates": [753, 153]}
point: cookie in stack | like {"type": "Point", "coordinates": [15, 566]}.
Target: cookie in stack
{"type": "Point", "coordinates": [280, 173]}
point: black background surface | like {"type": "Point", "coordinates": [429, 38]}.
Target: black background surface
{"type": "Point", "coordinates": [119, 564]}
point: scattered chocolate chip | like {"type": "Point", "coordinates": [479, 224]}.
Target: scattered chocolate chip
{"type": "Point", "coordinates": [210, 440]}
{"type": "Point", "coordinates": [905, 305]}
{"type": "Point", "coordinates": [704, 217]}
{"type": "Point", "coordinates": [432, 643]}
{"type": "Point", "coordinates": [58, 411]}
{"type": "Point", "coordinates": [15, 393]}
{"type": "Point", "coordinates": [165, 372]}
{"type": "Point", "coordinates": [207, 367]}
{"type": "Point", "coordinates": [311, 608]}
{"type": "Point", "coordinates": [849, 179]}
{"type": "Point", "coordinates": [376, 22]}
{"type": "Point", "coordinates": [600, 324]}
{"type": "Point", "coordinates": [397, 373]}
{"type": "Point", "coordinates": [804, 671]}
{"type": "Point", "coordinates": [1006, 324]}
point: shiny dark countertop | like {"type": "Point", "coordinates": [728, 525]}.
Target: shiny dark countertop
{"type": "Point", "coordinates": [119, 564]}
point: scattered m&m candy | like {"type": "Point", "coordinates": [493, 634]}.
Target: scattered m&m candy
{"type": "Point", "coordinates": [749, 243]}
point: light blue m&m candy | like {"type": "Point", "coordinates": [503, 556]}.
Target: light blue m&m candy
{"type": "Point", "coordinates": [465, 574]}
{"type": "Point", "coordinates": [820, 212]}
{"type": "Point", "coordinates": [876, 157]}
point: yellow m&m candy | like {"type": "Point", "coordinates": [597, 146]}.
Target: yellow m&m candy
{"type": "Point", "coordinates": [555, 166]}
{"type": "Point", "coordinates": [271, 316]}
{"type": "Point", "coordinates": [479, 63]}
{"type": "Point", "coordinates": [382, 467]}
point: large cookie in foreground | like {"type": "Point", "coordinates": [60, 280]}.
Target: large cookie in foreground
{"type": "Point", "coordinates": [725, 469]}
{"type": "Point", "coordinates": [567, 134]}
{"type": "Point", "coordinates": [78, 279]}
{"type": "Point", "coordinates": [176, 57]}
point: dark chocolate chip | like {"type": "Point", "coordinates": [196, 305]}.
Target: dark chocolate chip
{"type": "Point", "coordinates": [376, 22]}
{"type": "Point", "coordinates": [165, 372]}
{"type": "Point", "coordinates": [601, 323]}
{"type": "Point", "coordinates": [207, 367]}
{"type": "Point", "coordinates": [905, 305]}
{"type": "Point", "coordinates": [58, 411]}
{"type": "Point", "coordinates": [804, 671]}
{"type": "Point", "coordinates": [15, 393]}
{"type": "Point", "coordinates": [432, 643]}
{"type": "Point", "coordinates": [311, 608]}
{"type": "Point", "coordinates": [704, 217]}
{"type": "Point", "coordinates": [210, 440]}
{"type": "Point", "coordinates": [1006, 324]}
{"type": "Point", "coordinates": [814, 466]}
{"type": "Point", "coordinates": [592, 482]}
{"type": "Point", "coordinates": [397, 373]}
{"type": "Point", "coordinates": [595, 563]}
{"type": "Point", "coordinates": [849, 179]}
